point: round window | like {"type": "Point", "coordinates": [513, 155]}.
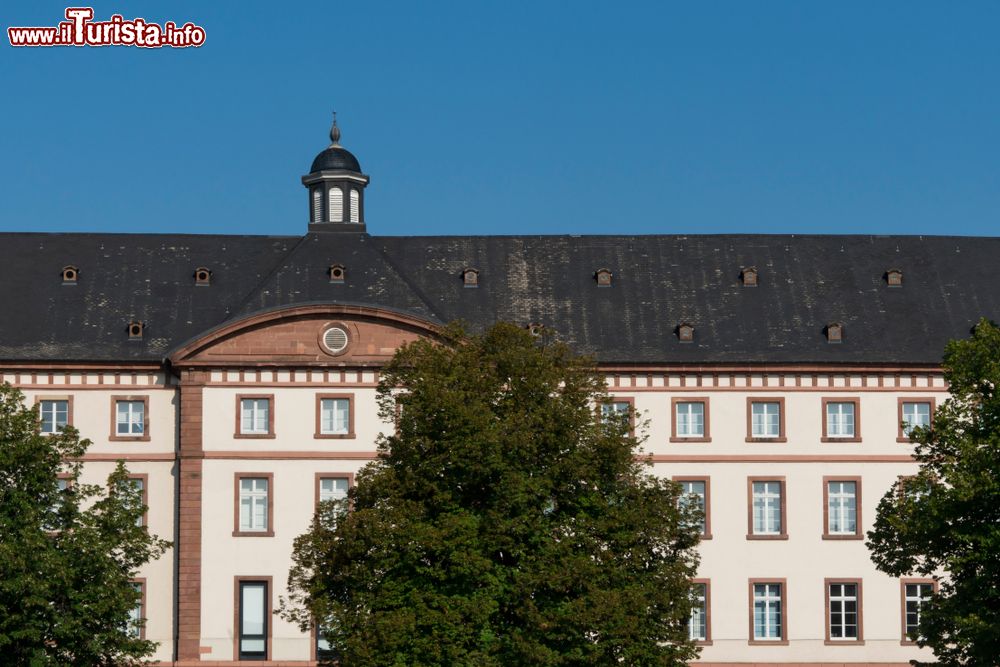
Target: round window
{"type": "Point", "coordinates": [335, 340]}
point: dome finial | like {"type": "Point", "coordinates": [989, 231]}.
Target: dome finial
{"type": "Point", "coordinates": [335, 131]}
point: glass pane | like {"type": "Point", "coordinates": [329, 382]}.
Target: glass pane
{"type": "Point", "coordinates": [252, 622]}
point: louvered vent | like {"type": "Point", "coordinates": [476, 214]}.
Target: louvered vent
{"type": "Point", "coordinates": [336, 205]}
{"type": "Point", "coordinates": [335, 340]}
{"type": "Point", "coordinates": [355, 206]}
{"type": "Point", "coordinates": [317, 205]}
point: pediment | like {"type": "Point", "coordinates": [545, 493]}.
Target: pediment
{"type": "Point", "coordinates": [306, 336]}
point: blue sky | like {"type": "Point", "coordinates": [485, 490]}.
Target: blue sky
{"type": "Point", "coordinates": [515, 118]}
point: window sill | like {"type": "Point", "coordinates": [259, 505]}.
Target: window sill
{"type": "Point", "coordinates": [691, 439]}
{"type": "Point", "coordinates": [707, 536]}
{"type": "Point", "coordinates": [254, 533]}
{"type": "Point", "coordinates": [706, 642]}
{"type": "Point", "coordinates": [128, 438]}
{"type": "Point", "coordinates": [835, 536]}
{"type": "Point", "coordinates": [844, 642]}
{"type": "Point", "coordinates": [778, 439]}
{"type": "Point", "coordinates": [782, 536]}
{"type": "Point", "coordinates": [334, 436]}
{"type": "Point", "coordinates": [902, 439]}
{"type": "Point", "coordinates": [767, 642]}
{"type": "Point", "coordinates": [254, 436]}
{"type": "Point", "coordinates": [838, 439]}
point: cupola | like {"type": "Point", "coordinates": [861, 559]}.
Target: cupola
{"type": "Point", "coordinates": [336, 189]}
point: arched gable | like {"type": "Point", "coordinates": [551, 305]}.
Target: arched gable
{"type": "Point", "coordinates": [301, 335]}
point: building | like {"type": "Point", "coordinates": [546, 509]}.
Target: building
{"type": "Point", "coordinates": [236, 375]}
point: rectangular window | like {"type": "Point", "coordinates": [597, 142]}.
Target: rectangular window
{"type": "Point", "coordinates": [62, 485]}
{"type": "Point", "coordinates": [840, 420]}
{"type": "Point", "coordinates": [694, 491]}
{"type": "Point", "coordinates": [255, 416]}
{"type": "Point", "coordinates": [914, 413]}
{"type": "Point", "coordinates": [334, 418]}
{"type": "Point", "coordinates": [136, 620]}
{"type": "Point", "coordinates": [915, 594]}
{"type": "Point", "coordinates": [253, 613]}
{"type": "Point", "coordinates": [767, 509]}
{"type": "Point", "coordinates": [690, 419]}
{"type": "Point", "coordinates": [324, 651]}
{"type": "Point", "coordinates": [333, 488]}
{"type": "Point", "coordinates": [618, 410]}
{"type": "Point", "coordinates": [54, 415]}
{"type": "Point", "coordinates": [768, 612]}
{"type": "Point", "coordinates": [130, 418]}
{"type": "Point", "coordinates": [842, 500]}
{"type": "Point", "coordinates": [765, 420]}
{"type": "Point", "coordinates": [843, 604]}
{"type": "Point", "coordinates": [140, 485]}
{"type": "Point", "coordinates": [255, 512]}
{"type": "Point", "coordinates": [698, 622]}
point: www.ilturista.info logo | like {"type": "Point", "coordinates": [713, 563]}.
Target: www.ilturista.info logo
{"type": "Point", "coordinates": [81, 30]}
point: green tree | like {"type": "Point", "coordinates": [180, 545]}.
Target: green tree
{"type": "Point", "coordinates": [945, 521]}
{"type": "Point", "coordinates": [504, 523]}
{"type": "Point", "coordinates": [67, 557]}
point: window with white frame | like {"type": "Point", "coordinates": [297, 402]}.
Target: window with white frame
{"type": "Point", "coordinates": [840, 420]}
{"type": "Point", "coordinates": [255, 416]}
{"type": "Point", "coordinates": [62, 486]}
{"type": "Point", "coordinates": [917, 414]}
{"type": "Point", "coordinates": [698, 622]}
{"type": "Point", "coordinates": [693, 495]}
{"type": "Point", "coordinates": [130, 418]}
{"type": "Point", "coordinates": [842, 507]}
{"type": "Point", "coordinates": [54, 415]}
{"type": "Point", "coordinates": [253, 620]}
{"type": "Point", "coordinates": [843, 612]}
{"type": "Point", "coordinates": [324, 651]}
{"type": "Point", "coordinates": [335, 416]}
{"type": "Point", "coordinates": [332, 488]}
{"type": "Point", "coordinates": [690, 416]}
{"type": "Point", "coordinates": [253, 504]}
{"type": "Point", "coordinates": [139, 484]}
{"type": "Point", "coordinates": [767, 612]}
{"type": "Point", "coordinates": [915, 595]}
{"type": "Point", "coordinates": [616, 411]}
{"type": "Point", "coordinates": [135, 619]}
{"type": "Point", "coordinates": [767, 508]}
{"type": "Point", "coordinates": [765, 419]}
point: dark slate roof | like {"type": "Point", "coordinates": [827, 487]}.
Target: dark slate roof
{"type": "Point", "coordinates": [806, 282]}
{"type": "Point", "coordinates": [336, 157]}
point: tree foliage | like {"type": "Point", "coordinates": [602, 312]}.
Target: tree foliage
{"type": "Point", "coordinates": [504, 523]}
{"type": "Point", "coordinates": [66, 557]}
{"type": "Point", "coordinates": [945, 521]}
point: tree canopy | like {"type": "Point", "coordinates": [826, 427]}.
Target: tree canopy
{"type": "Point", "coordinates": [944, 522]}
{"type": "Point", "coordinates": [504, 522]}
{"type": "Point", "coordinates": [67, 556]}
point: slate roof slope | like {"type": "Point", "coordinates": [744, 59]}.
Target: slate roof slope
{"type": "Point", "coordinates": [806, 282]}
{"type": "Point", "coordinates": [147, 277]}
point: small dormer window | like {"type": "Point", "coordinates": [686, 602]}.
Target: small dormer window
{"type": "Point", "coordinates": [603, 277]}
{"type": "Point", "coordinates": [337, 273]}
{"type": "Point", "coordinates": [535, 328]}
{"type": "Point", "coordinates": [894, 278]}
{"type": "Point", "coordinates": [685, 332]}
{"type": "Point", "coordinates": [202, 276]}
{"type": "Point", "coordinates": [470, 277]}
{"type": "Point", "coordinates": [70, 275]}
{"type": "Point", "coordinates": [749, 276]}
{"type": "Point", "coordinates": [135, 329]}
{"type": "Point", "coordinates": [834, 332]}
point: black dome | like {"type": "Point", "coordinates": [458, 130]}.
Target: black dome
{"type": "Point", "coordinates": [336, 157]}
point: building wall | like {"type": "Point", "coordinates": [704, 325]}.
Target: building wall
{"type": "Point", "coordinates": [293, 457]}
